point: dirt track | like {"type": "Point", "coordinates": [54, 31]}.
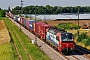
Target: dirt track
{"type": "Point", "coordinates": [4, 35]}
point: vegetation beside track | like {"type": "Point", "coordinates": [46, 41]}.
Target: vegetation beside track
{"type": "Point", "coordinates": [7, 50]}
{"type": "Point", "coordinates": [33, 50]}
{"type": "Point", "coordinates": [83, 39]}
{"type": "Point", "coordinates": [68, 26]}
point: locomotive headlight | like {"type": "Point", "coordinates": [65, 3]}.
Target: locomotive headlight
{"type": "Point", "coordinates": [73, 45]}
{"type": "Point", "coordinates": [60, 45]}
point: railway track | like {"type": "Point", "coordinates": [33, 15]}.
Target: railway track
{"type": "Point", "coordinates": [83, 51]}
{"type": "Point", "coordinates": [47, 49]}
{"type": "Point", "coordinates": [22, 45]}
{"type": "Point", "coordinates": [17, 51]}
{"type": "Point", "coordinates": [19, 55]}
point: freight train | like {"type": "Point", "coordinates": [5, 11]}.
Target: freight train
{"type": "Point", "coordinates": [59, 39]}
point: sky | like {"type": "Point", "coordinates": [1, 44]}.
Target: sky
{"type": "Point", "coordinates": [4, 4]}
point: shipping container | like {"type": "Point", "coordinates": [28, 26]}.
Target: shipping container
{"type": "Point", "coordinates": [37, 25]}
{"type": "Point", "coordinates": [11, 15]}
{"type": "Point", "coordinates": [7, 13]}
{"type": "Point", "coordinates": [27, 24]}
{"type": "Point", "coordinates": [15, 18]}
{"type": "Point", "coordinates": [40, 29]}
{"type": "Point", "coordinates": [31, 26]}
{"type": "Point", "coordinates": [19, 20]}
{"type": "Point", "coordinates": [22, 21]}
{"type": "Point", "coordinates": [43, 31]}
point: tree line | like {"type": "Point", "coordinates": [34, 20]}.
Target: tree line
{"type": "Point", "coordinates": [50, 9]}
{"type": "Point", "coordinates": [2, 13]}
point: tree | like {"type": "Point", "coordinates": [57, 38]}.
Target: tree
{"type": "Point", "coordinates": [50, 9]}
{"type": "Point", "coordinates": [2, 13]}
{"type": "Point", "coordinates": [9, 8]}
{"type": "Point", "coordinates": [0, 9]}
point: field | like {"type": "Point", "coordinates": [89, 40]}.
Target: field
{"type": "Point", "coordinates": [6, 52]}
{"type": "Point", "coordinates": [81, 22]}
{"type": "Point", "coordinates": [4, 35]}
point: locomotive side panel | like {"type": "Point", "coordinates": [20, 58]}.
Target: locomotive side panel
{"type": "Point", "coordinates": [51, 38]}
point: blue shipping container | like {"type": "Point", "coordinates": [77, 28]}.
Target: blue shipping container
{"type": "Point", "coordinates": [31, 27]}
{"type": "Point", "coordinates": [24, 22]}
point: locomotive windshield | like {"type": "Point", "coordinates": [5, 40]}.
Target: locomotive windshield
{"type": "Point", "coordinates": [67, 37]}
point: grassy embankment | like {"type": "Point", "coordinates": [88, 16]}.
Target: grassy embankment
{"type": "Point", "coordinates": [33, 50]}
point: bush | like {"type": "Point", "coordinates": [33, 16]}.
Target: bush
{"type": "Point", "coordinates": [2, 13]}
{"type": "Point", "coordinates": [68, 26]}
{"type": "Point", "coordinates": [88, 42]}
{"type": "Point", "coordinates": [82, 37]}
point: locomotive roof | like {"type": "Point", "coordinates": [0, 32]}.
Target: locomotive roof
{"type": "Point", "coordinates": [56, 30]}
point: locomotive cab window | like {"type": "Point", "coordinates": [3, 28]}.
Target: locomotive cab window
{"type": "Point", "coordinates": [57, 38]}
{"type": "Point", "coordinates": [67, 37]}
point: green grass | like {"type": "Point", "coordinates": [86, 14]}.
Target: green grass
{"type": "Point", "coordinates": [33, 50]}
{"type": "Point", "coordinates": [6, 52]}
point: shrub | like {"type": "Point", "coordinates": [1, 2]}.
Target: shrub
{"type": "Point", "coordinates": [82, 37]}
{"type": "Point", "coordinates": [2, 13]}
{"type": "Point", "coordinates": [68, 26]}
{"type": "Point", "coordinates": [88, 42]}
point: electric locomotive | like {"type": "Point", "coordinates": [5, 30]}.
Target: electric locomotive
{"type": "Point", "coordinates": [60, 39]}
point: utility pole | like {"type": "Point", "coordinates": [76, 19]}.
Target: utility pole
{"type": "Point", "coordinates": [78, 18]}
{"type": "Point", "coordinates": [71, 10]}
{"type": "Point", "coordinates": [22, 6]}
{"type": "Point", "coordinates": [78, 23]}
{"type": "Point", "coordinates": [35, 24]}
{"type": "Point", "coordinates": [21, 3]}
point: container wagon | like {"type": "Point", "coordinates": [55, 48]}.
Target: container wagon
{"type": "Point", "coordinates": [27, 24]}
{"type": "Point", "coordinates": [40, 29]}
{"type": "Point", "coordinates": [31, 26]}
